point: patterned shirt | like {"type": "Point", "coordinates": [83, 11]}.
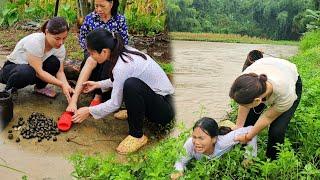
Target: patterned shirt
{"type": "Point", "coordinates": [93, 21]}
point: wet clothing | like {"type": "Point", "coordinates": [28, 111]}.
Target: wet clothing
{"type": "Point", "coordinates": [93, 21]}
{"type": "Point", "coordinates": [224, 144]}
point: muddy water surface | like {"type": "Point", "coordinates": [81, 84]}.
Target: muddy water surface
{"type": "Point", "coordinates": [204, 72]}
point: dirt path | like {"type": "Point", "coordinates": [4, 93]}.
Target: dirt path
{"type": "Point", "coordinates": [204, 72]}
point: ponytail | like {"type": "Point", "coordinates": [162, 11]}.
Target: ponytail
{"type": "Point", "coordinates": [223, 130]}
{"type": "Point", "coordinates": [247, 87]}
{"type": "Point", "coordinates": [55, 26]}
{"type": "Point", "coordinates": [100, 39]}
{"type": "Point", "coordinates": [253, 56]}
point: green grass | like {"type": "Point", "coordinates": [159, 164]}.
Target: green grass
{"type": "Point", "coordinates": [229, 38]}
{"type": "Point", "coordinates": [167, 67]}
{"type": "Point", "coordinates": [299, 156]}
{"type": "Point", "coordinates": [311, 40]}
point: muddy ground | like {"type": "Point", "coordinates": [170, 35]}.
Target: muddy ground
{"type": "Point", "coordinates": [91, 137]}
{"type": "Point", "coordinates": [204, 72]}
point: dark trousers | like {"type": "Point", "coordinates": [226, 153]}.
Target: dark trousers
{"type": "Point", "coordinates": [21, 75]}
{"type": "Point", "coordinates": [141, 101]}
{"type": "Point", "coordinates": [100, 72]}
{"type": "Point", "coordinates": [279, 126]}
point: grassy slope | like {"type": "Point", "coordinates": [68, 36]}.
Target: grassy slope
{"type": "Point", "coordinates": [229, 38]}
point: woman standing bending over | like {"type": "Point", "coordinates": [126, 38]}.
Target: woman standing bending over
{"type": "Point", "coordinates": [273, 82]}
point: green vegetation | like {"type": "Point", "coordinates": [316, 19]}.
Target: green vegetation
{"type": "Point", "coordinates": [146, 17]}
{"type": "Point", "coordinates": [315, 23]}
{"type": "Point", "coordinates": [143, 17]}
{"type": "Point", "coordinates": [35, 10]}
{"type": "Point", "coordinates": [230, 38]}
{"type": "Point", "coordinates": [167, 67]}
{"type": "Point", "coordinates": [282, 19]}
{"type": "Point", "coordinates": [299, 157]}
{"type": "Point", "coordinates": [310, 41]}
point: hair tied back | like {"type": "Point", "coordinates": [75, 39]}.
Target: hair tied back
{"type": "Point", "coordinates": [263, 77]}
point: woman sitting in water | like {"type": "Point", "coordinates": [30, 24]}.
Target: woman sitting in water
{"type": "Point", "coordinates": [210, 141]}
{"type": "Point", "coordinates": [38, 59]}
{"type": "Point", "coordinates": [135, 78]}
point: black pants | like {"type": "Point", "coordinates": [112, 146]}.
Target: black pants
{"type": "Point", "coordinates": [100, 72]}
{"type": "Point", "coordinates": [141, 101]}
{"type": "Point", "coordinates": [279, 126]}
{"type": "Point", "coordinates": [21, 75]}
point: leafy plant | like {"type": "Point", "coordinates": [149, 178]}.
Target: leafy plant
{"type": "Point", "coordinates": [146, 17]}
{"type": "Point", "coordinates": [315, 23]}
{"type": "Point", "coordinates": [9, 15]}
{"type": "Point", "coordinates": [69, 13]}
{"type": "Point", "coordinates": [37, 11]}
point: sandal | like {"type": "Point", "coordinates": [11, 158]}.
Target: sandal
{"type": "Point", "coordinates": [95, 102]}
{"type": "Point", "coordinates": [121, 115]}
{"type": "Point", "coordinates": [131, 144]}
{"type": "Point", "coordinates": [47, 91]}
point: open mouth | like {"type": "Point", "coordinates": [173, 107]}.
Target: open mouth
{"type": "Point", "coordinates": [198, 149]}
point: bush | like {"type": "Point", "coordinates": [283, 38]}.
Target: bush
{"type": "Point", "coordinates": [310, 40]}
{"type": "Point", "coordinates": [147, 18]}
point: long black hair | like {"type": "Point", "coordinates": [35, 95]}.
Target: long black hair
{"type": "Point", "coordinates": [114, 9]}
{"type": "Point", "coordinates": [252, 57]}
{"type": "Point", "coordinates": [55, 26]}
{"type": "Point", "coordinates": [100, 39]}
{"type": "Point", "coordinates": [247, 87]}
{"type": "Point", "coordinates": [210, 127]}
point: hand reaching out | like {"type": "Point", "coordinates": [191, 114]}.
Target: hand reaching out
{"type": "Point", "coordinates": [89, 86]}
